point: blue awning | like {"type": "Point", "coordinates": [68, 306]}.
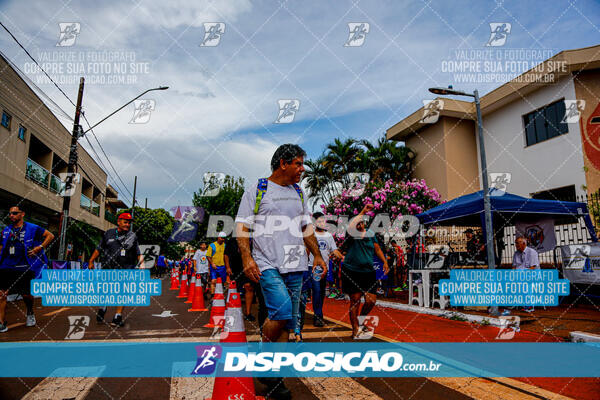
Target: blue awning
{"type": "Point", "coordinates": [506, 208]}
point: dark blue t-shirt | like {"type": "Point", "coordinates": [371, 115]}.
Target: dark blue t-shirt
{"type": "Point", "coordinates": [15, 252]}
{"type": "Point", "coordinates": [161, 261]}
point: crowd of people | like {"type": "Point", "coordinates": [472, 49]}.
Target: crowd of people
{"type": "Point", "coordinates": [278, 269]}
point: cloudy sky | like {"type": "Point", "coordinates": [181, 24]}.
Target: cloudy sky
{"type": "Point", "coordinates": [219, 113]}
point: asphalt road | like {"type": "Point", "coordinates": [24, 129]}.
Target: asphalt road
{"type": "Point", "coordinates": [143, 325]}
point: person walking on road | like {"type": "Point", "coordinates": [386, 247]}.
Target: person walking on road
{"type": "Point", "coordinates": [201, 264]}
{"type": "Point", "coordinates": [276, 212]}
{"type": "Point", "coordinates": [22, 258]}
{"type": "Point", "coordinates": [216, 261]}
{"type": "Point", "coordinates": [119, 249]}
{"type": "Point", "coordinates": [315, 283]}
{"type": "Point", "coordinates": [358, 274]}
{"type": "Point", "coordinates": [233, 263]}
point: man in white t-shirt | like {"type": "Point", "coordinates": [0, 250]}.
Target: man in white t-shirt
{"type": "Point", "coordinates": [313, 282]}
{"type": "Point", "coordinates": [201, 264]}
{"type": "Point", "coordinates": [276, 212]}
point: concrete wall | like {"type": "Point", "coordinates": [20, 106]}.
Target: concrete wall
{"type": "Point", "coordinates": [447, 157]}
{"type": "Point", "coordinates": [551, 164]}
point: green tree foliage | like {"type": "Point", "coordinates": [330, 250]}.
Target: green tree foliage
{"type": "Point", "coordinates": [327, 175]}
{"type": "Point", "coordinates": [83, 237]}
{"type": "Point", "coordinates": [154, 226]}
{"type": "Point", "coordinates": [226, 202]}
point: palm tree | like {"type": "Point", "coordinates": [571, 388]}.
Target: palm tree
{"type": "Point", "coordinates": [384, 160]}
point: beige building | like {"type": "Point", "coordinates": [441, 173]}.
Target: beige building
{"type": "Point", "coordinates": [34, 151]}
{"type": "Point", "coordinates": [524, 133]}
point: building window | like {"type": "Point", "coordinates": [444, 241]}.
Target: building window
{"type": "Point", "coordinates": [545, 123]}
{"type": "Point", "coordinates": [6, 119]}
{"type": "Point", "coordinates": [22, 131]}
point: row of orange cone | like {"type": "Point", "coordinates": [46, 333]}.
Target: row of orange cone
{"type": "Point", "coordinates": [233, 331]}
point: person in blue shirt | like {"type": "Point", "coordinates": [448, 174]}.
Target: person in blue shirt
{"type": "Point", "coordinates": [22, 259]}
{"type": "Point", "coordinates": [161, 266]}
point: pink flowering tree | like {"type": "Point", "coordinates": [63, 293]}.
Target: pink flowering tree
{"type": "Point", "coordinates": [395, 199]}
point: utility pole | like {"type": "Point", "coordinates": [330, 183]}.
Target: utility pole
{"type": "Point", "coordinates": [133, 204]}
{"type": "Point", "coordinates": [146, 205]}
{"type": "Point", "coordinates": [64, 220]}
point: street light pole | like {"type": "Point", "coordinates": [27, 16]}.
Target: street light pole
{"type": "Point", "coordinates": [487, 207]}
{"type": "Point", "coordinates": [77, 133]}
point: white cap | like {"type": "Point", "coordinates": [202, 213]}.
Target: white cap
{"type": "Point", "coordinates": [222, 235]}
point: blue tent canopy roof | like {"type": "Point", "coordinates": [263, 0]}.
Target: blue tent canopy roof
{"type": "Point", "coordinates": [506, 208]}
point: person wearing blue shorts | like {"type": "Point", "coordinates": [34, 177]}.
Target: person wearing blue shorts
{"type": "Point", "coordinates": [275, 214]}
{"type": "Point", "coordinates": [216, 260]}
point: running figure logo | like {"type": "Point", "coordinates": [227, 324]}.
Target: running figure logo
{"type": "Point", "coordinates": [510, 326]}
{"type": "Point", "coordinates": [431, 111]}
{"type": "Point", "coordinates": [207, 359]}
{"type": "Point", "coordinates": [212, 33]}
{"type": "Point", "coordinates": [293, 254]}
{"type": "Point", "coordinates": [287, 111]}
{"type": "Point", "coordinates": [68, 33]}
{"type": "Point", "coordinates": [212, 183]}
{"type": "Point", "coordinates": [500, 181]}
{"type": "Point", "coordinates": [356, 182]}
{"type": "Point", "coordinates": [573, 110]}
{"type": "Point", "coordinates": [69, 183]}
{"type": "Point", "coordinates": [142, 110]}
{"type": "Point", "coordinates": [366, 326]}
{"type": "Point", "coordinates": [499, 33]}
{"type": "Point", "coordinates": [77, 325]}
{"type": "Point", "coordinates": [358, 34]}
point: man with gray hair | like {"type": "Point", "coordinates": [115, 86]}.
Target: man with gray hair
{"type": "Point", "coordinates": [525, 257]}
{"type": "Point", "coordinates": [276, 213]}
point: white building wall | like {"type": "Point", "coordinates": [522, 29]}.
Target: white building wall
{"type": "Point", "coordinates": [554, 163]}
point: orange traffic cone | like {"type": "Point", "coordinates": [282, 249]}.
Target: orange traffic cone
{"type": "Point", "coordinates": [233, 331]}
{"type": "Point", "coordinates": [183, 288]}
{"type": "Point", "coordinates": [232, 289]}
{"type": "Point", "coordinates": [217, 311]}
{"type": "Point", "coordinates": [198, 301]}
{"type": "Point", "coordinates": [191, 289]}
{"type": "Point", "coordinates": [174, 280]}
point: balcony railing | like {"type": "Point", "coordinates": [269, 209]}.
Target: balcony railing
{"type": "Point", "coordinates": [56, 185]}
{"type": "Point", "coordinates": [95, 208]}
{"type": "Point", "coordinates": [85, 203]}
{"type": "Point", "coordinates": [37, 173]}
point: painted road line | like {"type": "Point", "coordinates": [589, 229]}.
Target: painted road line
{"type": "Point", "coordinates": [17, 324]}
{"type": "Point", "coordinates": [197, 388]}
{"type": "Point", "coordinates": [54, 387]}
{"type": "Point", "coordinates": [56, 311]}
{"type": "Point", "coordinates": [482, 388]}
{"type": "Point", "coordinates": [338, 388]}
{"type": "Point", "coordinates": [310, 335]}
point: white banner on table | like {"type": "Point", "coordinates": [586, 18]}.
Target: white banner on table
{"type": "Point", "coordinates": [539, 234]}
{"type": "Point", "coordinates": [581, 263]}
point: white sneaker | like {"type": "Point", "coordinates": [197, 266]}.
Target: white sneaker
{"type": "Point", "coordinates": [30, 320]}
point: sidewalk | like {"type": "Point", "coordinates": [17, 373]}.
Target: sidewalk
{"type": "Point", "coordinates": [556, 321]}
{"type": "Point", "coordinates": [406, 326]}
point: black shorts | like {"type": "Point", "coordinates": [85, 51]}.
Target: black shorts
{"type": "Point", "coordinates": [17, 280]}
{"type": "Point", "coordinates": [358, 282]}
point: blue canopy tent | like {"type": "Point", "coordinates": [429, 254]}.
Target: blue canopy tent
{"type": "Point", "coordinates": [506, 208]}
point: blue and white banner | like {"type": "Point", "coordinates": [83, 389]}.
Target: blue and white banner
{"type": "Point", "coordinates": [156, 359]}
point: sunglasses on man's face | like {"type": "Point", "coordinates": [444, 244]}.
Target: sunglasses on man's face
{"type": "Point", "coordinates": [15, 212]}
